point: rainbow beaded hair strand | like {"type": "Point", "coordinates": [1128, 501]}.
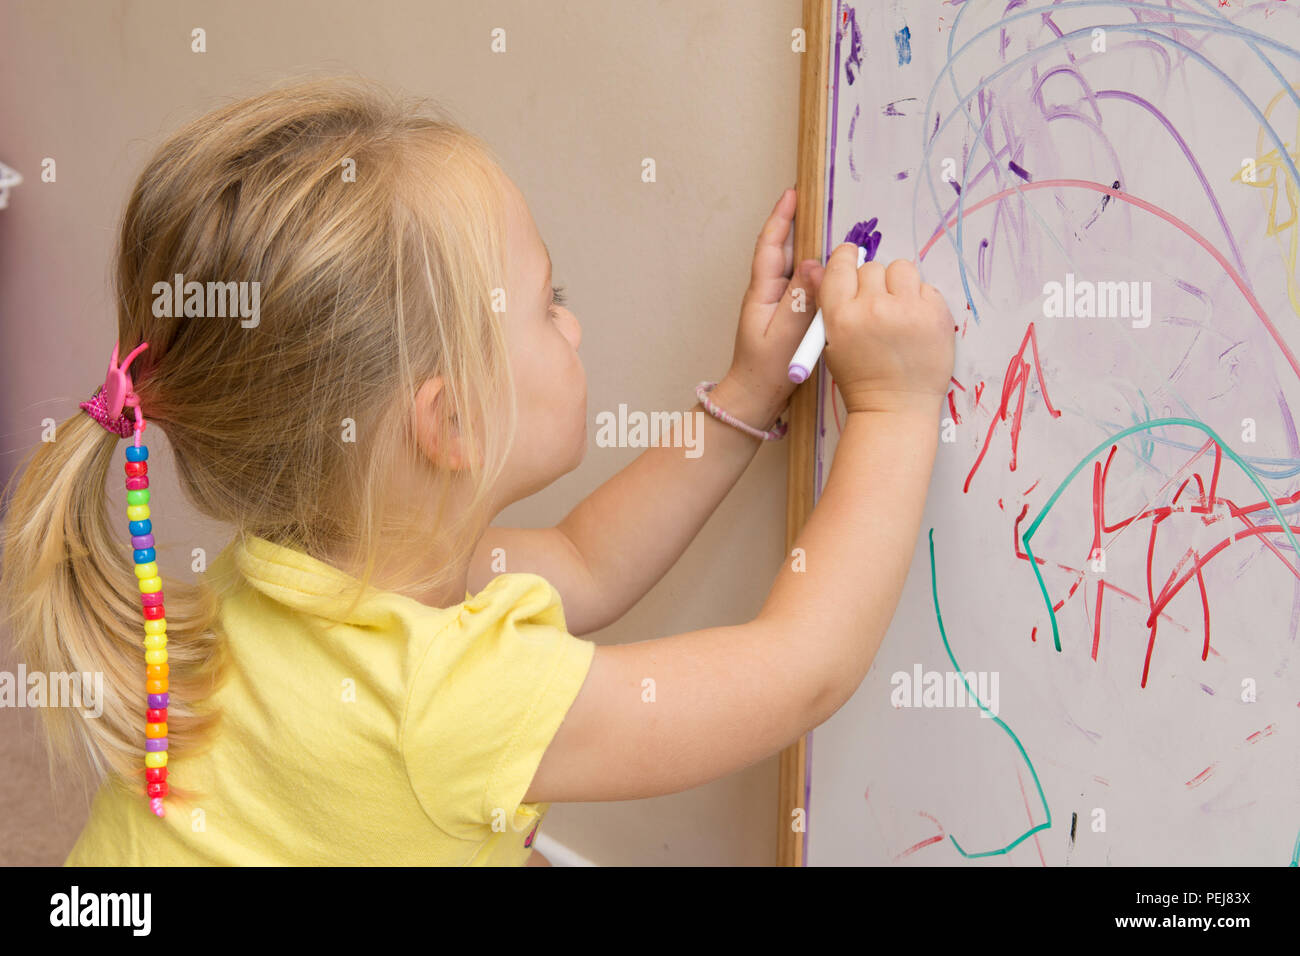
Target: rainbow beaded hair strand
{"type": "Point", "coordinates": [155, 623]}
{"type": "Point", "coordinates": [106, 406]}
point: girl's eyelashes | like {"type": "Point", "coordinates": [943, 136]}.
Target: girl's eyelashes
{"type": "Point", "coordinates": [558, 297]}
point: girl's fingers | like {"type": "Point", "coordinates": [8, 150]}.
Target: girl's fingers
{"type": "Point", "coordinates": [771, 268]}
{"type": "Point", "coordinates": [788, 251]}
{"type": "Point", "coordinates": [839, 283]}
{"type": "Point", "coordinates": [812, 273]}
{"type": "Point", "coordinates": [902, 278]}
{"type": "Point", "coordinates": [802, 291]}
{"type": "Point", "coordinates": [871, 278]}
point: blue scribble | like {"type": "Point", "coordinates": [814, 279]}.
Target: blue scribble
{"type": "Point", "coordinates": [903, 40]}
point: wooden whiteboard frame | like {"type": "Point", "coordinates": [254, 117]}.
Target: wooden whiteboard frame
{"type": "Point", "coordinates": [809, 225]}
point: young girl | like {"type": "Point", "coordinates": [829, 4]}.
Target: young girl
{"type": "Point", "coordinates": [369, 673]}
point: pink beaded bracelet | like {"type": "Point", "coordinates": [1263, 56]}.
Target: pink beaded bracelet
{"type": "Point", "coordinates": [701, 392]}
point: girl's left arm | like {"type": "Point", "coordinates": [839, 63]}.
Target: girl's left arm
{"type": "Point", "coordinates": [620, 540]}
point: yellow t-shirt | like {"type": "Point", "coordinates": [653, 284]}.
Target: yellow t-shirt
{"type": "Point", "coordinates": [402, 734]}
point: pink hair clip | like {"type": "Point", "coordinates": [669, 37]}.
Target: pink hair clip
{"type": "Point", "coordinates": [117, 392]}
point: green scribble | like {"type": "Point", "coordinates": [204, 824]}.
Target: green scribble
{"type": "Point", "coordinates": [934, 590]}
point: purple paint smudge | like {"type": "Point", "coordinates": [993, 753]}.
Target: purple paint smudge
{"type": "Point", "coordinates": [1208, 690]}
{"type": "Point", "coordinates": [891, 110]}
{"type": "Point", "coordinates": [1020, 170]}
{"type": "Point", "coordinates": [853, 125]}
{"type": "Point", "coordinates": [1108, 197]}
{"type": "Point", "coordinates": [853, 63]}
{"type": "Point", "coordinates": [862, 234]}
{"type": "Point", "coordinates": [901, 175]}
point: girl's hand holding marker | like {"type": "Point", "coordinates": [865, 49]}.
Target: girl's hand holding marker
{"type": "Point", "coordinates": [888, 336]}
{"type": "Point", "coordinates": [805, 357]}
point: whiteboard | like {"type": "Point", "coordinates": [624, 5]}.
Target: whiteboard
{"type": "Point", "coordinates": [1094, 658]}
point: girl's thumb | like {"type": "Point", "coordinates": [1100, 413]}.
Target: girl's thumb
{"type": "Point", "coordinates": [838, 282]}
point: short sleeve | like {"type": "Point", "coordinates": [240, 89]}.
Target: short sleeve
{"type": "Point", "coordinates": [486, 698]}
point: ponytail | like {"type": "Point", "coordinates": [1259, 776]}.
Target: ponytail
{"type": "Point", "coordinates": [72, 600]}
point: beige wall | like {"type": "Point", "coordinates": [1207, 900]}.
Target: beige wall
{"type": "Point", "coordinates": [655, 272]}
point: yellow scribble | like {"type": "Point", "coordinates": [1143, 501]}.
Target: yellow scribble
{"type": "Point", "coordinates": [1270, 171]}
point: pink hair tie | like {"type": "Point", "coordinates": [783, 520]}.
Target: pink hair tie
{"type": "Point", "coordinates": [109, 403]}
{"type": "Point", "coordinates": [701, 392]}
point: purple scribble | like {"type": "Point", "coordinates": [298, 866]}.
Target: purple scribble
{"type": "Point", "coordinates": [853, 125]}
{"type": "Point", "coordinates": [862, 235]}
{"type": "Point", "coordinates": [1020, 170]}
{"type": "Point", "coordinates": [853, 63]}
{"type": "Point", "coordinates": [1107, 198]}
{"type": "Point", "coordinates": [1207, 689]}
{"type": "Point", "coordinates": [891, 110]}
{"type": "Point", "coordinates": [934, 132]}
{"type": "Point", "coordinates": [955, 185]}
{"type": "Point", "coordinates": [1092, 735]}
{"type": "Point", "coordinates": [902, 174]}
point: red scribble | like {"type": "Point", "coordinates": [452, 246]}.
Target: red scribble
{"type": "Point", "coordinates": [1016, 378]}
{"type": "Point", "coordinates": [1029, 813]}
{"type": "Point", "coordinates": [1261, 734]}
{"type": "Point", "coordinates": [835, 409]}
{"type": "Point", "coordinates": [1190, 563]}
{"type": "Point", "coordinates": [1033, 635]}
{"type": "Point", "coordinates": [1201, 777]}
{"type": "Point", "coordinates": [1207, 502]}
{"type": "Point", "coordinates": [926, 842]}
{"type": "Point", "coordinates": [952, 407]}
{"type": "Point", "coordinates": [1078, 572]}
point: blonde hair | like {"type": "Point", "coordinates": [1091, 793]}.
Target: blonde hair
{"type": "Point", "coordinates": [369, 286]}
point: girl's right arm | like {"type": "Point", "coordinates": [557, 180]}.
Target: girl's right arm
{"type": "Point", "coordinates": [726, 697]}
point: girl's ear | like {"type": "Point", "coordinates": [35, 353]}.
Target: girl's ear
{"type": "Point", "coordinates": [430, 401]}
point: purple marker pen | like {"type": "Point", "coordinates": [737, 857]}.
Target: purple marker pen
{"type": "Point", "coordinates": [814, 340]}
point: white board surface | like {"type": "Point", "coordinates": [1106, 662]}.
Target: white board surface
{"type": "Point", "coordinates": [1144, 443]}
